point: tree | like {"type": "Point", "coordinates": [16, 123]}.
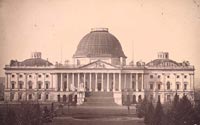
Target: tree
{"type": "Point", "coordinates": [158, 114]}
{"type": "Point", "coordinates": [142, 107]}
{"type": "Point", "coordinates": [173, 114]}
{"type": "Point", "coordinates": [10, 118]}
{"type": "Point", "coordinates": [185, 112]}
{"type": "Point", "coordinates": [46, 116]}
{"type": "Point", "coordinates": [148, 119]}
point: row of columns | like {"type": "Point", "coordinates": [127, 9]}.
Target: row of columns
{"type": "Point", "coordinates": [113, 82]}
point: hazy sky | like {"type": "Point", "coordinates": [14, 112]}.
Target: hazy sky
{"type": "Point", "coordinates": [50, 26]}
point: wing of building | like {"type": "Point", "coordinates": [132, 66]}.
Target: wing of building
{"type": "Point", "coordinates": [99, 68]}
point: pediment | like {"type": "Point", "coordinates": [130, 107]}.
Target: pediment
{"type": "Point", "coordinates": [99, 65]}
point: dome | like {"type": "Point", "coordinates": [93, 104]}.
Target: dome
{"type": "Point", "coordinates": [99, 43]}
{"type": "Point", "coordinates": [36, 62]}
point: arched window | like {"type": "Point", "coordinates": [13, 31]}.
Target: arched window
{"type": "Point", "coordinates": [30, 85]}
{"type": "Point", "coordinates": [21, 83]}
{"type": "Point", "coordinates": [39, 84]}
{"type": "Point", "coordinates": [168, 85]}
{"type": "Point", "coordinates": [47, 83]}
{"type": "Point", "coordinates": [134, 99]}
{"type": "Point", "coordinates": [13, 84]}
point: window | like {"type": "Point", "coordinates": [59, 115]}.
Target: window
{"type": "Point", "coordinates": [47, 96]}
{"type": "Point", "coordinates": [13, 76]}
{"type": "Point", "coordinates": [39, 96]}
{"type": "Point", "coordinates": [20, 76]}
{"type": "Point", "coordinates": [177, 86]}
{"type": "Point", "coordinates": [158, 76]}
{"type": "Point", "coordinates": [158, 86]}
{"type": "Point", "coordinates": [39, 76]}
{"type": "Point", "coordinates": [168, 76]}
{"type": "Point", "coordinates": [185, 76]}
{"type": "Point", "coordinates": [12, 96]}
{"type": "Point", "coordinates": [30, 76]}
{"type": "Point", "coordinates": [30, 85]}
{"type": "Point", "coordinates": [151, 76]}
{"type": "Point", "coordinates": [151, 97]}
{"type": "Point", "coordinates": [47, 76]}
{"type": "Point", "coordinates": [20, 86]}
{"type": "Point", "coordinates": [65, 86]}
{"type": "Point", "coordinates": [47, 86]}
{"type": "Point", "coordinates": [168, 85]}
{"type": "Point", "coordinates": [20, 96]}
{"type": "Point", "coordinates": [158, 97]}
{"type": "Point", "coordinates": [39, 85]}
{"type": "Point", "coordinates": [177, 76]}
{"type": "Point", "coordinates": [185, 86]}
{"type": "Point", "coordinates": [13, 85]}
{"type": "Point", "coordinates": [133, 85]}
{"type": "Point", "coordinates": [168, 98]}
{"type": "Point", "coordinates": [30, 96]}
{"type": "Point", "coordinates": [151, 86]}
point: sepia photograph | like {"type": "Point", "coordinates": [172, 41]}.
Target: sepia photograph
{"type": "Point", "coordinates": [99, 62]}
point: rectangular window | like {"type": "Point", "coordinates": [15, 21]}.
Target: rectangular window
{"type": "Point", "coordinates": [151, 76]}
{"type": "Point", "coordinates": [158, 97]}
{"type": "Point", "coordinates": [39, 86]}
{"type": "Point", "coordinates": [47, 96]}
{"type": "Point", "coordinates": [20, 96]}
{"type": "Point", "coordinates": [168, 98]}
{"type": "Point", "coordinates": [151, 86]}
{"type": "Point", "coordinates": [13, 86]}
{"type": "Point", "coordinates": [29, 96]}
{"type": "Point", "coordinates": [185, 86]}
{"type": "Point", "coordinates": [39, 96]}
{"type": "Point", "coordinates": [30, 86]}
{"type": "Point", "coordinates": [158, 86]}
{"type": "Point", "coordinates": [47, 86]}
{"type": "Point", "coordinates": [177, 86]}
{"type": "Point", "coordinates": [151, 97]}
{"type": "Point", "coordinates": [20, 86]}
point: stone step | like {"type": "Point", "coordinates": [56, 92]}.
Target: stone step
{"type": "Point", "coordinates": [99, 104]}
{"type": "Point", "coordinates": [99, 99]}
{"type": "Point", "coordinates": [101, 94]}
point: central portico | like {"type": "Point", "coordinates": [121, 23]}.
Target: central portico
{"type": "Point", "coordinates": [100, 76]}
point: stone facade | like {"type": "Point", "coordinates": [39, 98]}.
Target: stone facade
{"type": "Point", "coordinates": [39, 80]}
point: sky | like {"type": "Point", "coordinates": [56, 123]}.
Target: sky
{"type": "Point", "coordinates": [55, 27]}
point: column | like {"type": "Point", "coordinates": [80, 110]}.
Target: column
{"type": "Point", "coordinates": [51, 81]}
{"type": "Point", "coordinates": [90, 81]}
{"type": "Point", "coordinates": [17, 82]}
{"type": "Point", "coordinates": [78, 81]}
{"type": "Point", "coordinates": [6, 81]}
{"type": "Point", "coordinates": [136, 82]}
{"type": "Point", "coordinates": [73, 81]}
{"type": "Point", "coordinates": [96, 82]}
{"type": "Point", "coordinates": [131, 80]}
{"type": "Point", "coordinates": [192, 82]}
{"type": "Point", "coordinates": [61, 82]}
{"type": "Point", "coordinates": [36, 79]}
{"type": "Point", "coordinates": [120, 82]}
{"type": "Point", "coordinates": [102, 82]}
{"type": "Point", "coordinates": [124, 80]}
{"type": "Point", "coordinates": [9, 81]}
{"type": "Point", "coordinates": [108, 89]}
{"type": "Point", "coordinates": [55, 81]}
{"type": "Point", "coordinates": [84, 76]}
{"type": "Point", "coordinates": [43, 82]}
{"type": "Point", "coordinates": [68, 82]}
{"type": "Point", "coordinates": [142, 86]}
{"type": "Point", "coordinates": [114, 82]}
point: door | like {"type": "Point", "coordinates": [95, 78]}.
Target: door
{"type": "Point", "coordinates": [99, 86]}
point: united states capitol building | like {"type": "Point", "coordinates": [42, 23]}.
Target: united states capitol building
{"type": "Point", "coordinates": [99, 66]}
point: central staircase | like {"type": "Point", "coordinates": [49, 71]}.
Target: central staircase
{"type": "Point", "coordinates": [99, 99]}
